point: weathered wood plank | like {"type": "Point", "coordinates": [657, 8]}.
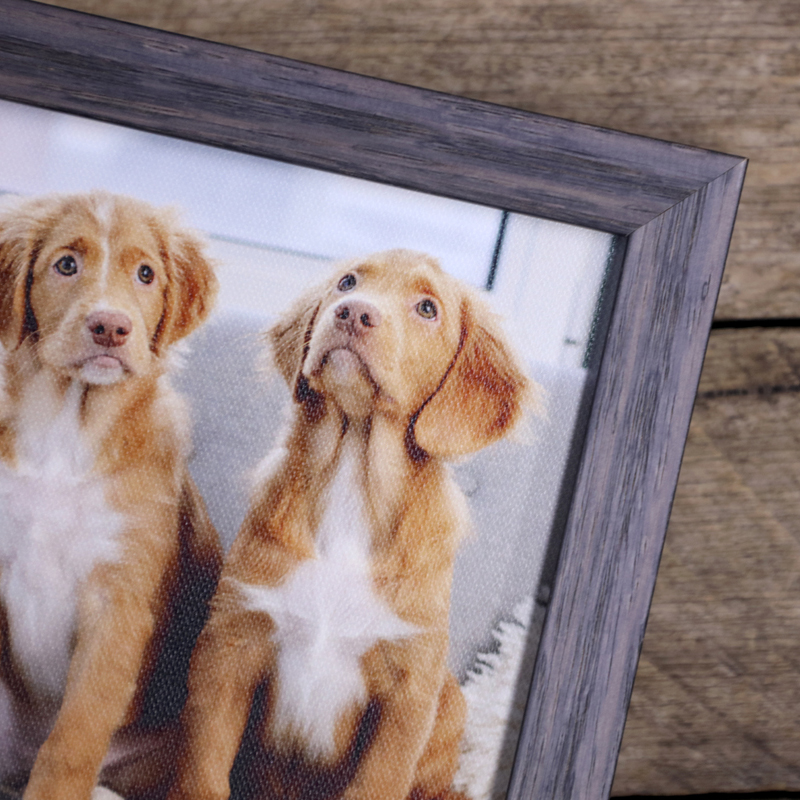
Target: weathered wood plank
{"type": "Point", "coordinates": [287, 110]}
{"type": "Point", "coordinates": [723, 74]}
{"type": "Point", "coordinates": [621, 499]}
{"type": "Point", "coordinates": [759, 436]}
{"type": "Point", "coordinates": [714, 705]}
{"type": "Point", "coordinates": [719, 74]}
{"type": "Point", "coordinates": [751, 360]}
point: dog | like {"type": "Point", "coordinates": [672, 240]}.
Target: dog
{"type": "Point", "coordinates": [107, 556]}
{"type": "Point", "coordinates": [323, 663]}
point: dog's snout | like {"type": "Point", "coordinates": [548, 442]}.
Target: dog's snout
{"type": "Point", "coordinates": [109, 328]}
{"type": "Point", "coordinates": [357, 316]}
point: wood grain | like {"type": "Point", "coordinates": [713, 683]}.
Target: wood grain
{"type": "Point", "coordinates": [516, 38]}
{"type": "Point", "coordinates": [753, 360]}
{"type": "Point", "coordinates": [610, 553]}
{"type": "Point", "coordinates": [722, 74]}
{"type": "Point", "coordinates": [286, 110]}
{"type": "Point", "coordinates": [714, 706]}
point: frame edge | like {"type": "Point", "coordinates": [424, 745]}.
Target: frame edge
{"type": "Point", "coordinates": [635, 439]}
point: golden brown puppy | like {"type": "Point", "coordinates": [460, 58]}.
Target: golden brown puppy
{"type": "Point", "coordinates": [333, 606]}
{"type": "Point", "coordinates": [104, 541]}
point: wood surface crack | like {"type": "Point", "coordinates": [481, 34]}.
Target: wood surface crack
{"type": "Point", "coordinates": [756, 390]}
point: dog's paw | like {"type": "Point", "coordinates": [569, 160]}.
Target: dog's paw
{"type": "Point", "coordinates": [101, 793]}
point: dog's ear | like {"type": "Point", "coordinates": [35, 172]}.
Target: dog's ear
{"type": "Point", "coordinates": [482, 396]}
{"type": "Point", "coordinates": [289, 339]}
{"type": "Point", "coordinates": [191, 289]}
{"type": "Point", "coordinates": [15, 257]}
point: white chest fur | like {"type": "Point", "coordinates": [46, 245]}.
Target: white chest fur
{"type": "Point", "coordinates": [55, 525]}
{"type": "Point", "coordinates": [328, 615]}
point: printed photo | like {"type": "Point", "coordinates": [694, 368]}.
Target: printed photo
{"type": "Point", "coordinates": [284, 458]}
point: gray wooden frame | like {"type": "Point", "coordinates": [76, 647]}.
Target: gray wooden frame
{"type": "Point", "coordinates": [672, 206]}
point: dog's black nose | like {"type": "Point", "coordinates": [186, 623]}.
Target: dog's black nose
{"type": "Point", "coordinates": [357, 316]}
{"type": "Point", "coordinates": [109, 328]}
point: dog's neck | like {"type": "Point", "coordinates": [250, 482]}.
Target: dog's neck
{"type": "Point", "coordinates": [33, 395]}
{"type": "Point", "coordinates": [372, 451]}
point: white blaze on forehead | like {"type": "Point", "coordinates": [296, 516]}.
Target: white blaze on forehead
{"type": "Point", "coordinates": [104, 209]}
{"type": "Point", "coordinates": [328, 615]}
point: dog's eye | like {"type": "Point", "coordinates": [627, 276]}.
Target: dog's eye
{"type": "Point", "coordinates": [426, 308]}
{"type": "Point", "coordinates": [347, 283]}
{"type": "Point", "coordinates": [145, 274]}
{"type": "Point", "coordinates": [66, 265]}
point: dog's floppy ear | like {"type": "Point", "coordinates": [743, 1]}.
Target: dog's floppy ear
{"type": "Point", "coordinates": [482, 396]}
{"type": "Point", "coordinates": [15, 257]}
{"type": "Point", "coordinates": [289, 339]}
{"type": "Point", "coordinates": [191, 289]}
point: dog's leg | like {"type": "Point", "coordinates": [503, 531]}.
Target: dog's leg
{"type": "Point", "coordinates": [199, 536]}
{"type": "Point", "coordinates": [439, 762]}
{"type": "Point", "coordinates": [230, 660]}
{"type": "Point", "coordinates": [101, 684]}
{"type": "Point", "coordinates": [408, 716]}
{"type": "Point", "coordinates": [116, 620]}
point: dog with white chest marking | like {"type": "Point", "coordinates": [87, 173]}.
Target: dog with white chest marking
{"type": "Point", "coordinates": [107, 556]}
{"type": "Point", "coordinates": [323, 663]}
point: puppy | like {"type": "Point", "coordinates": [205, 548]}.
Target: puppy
{"type": "Point", "coordinates": [329, 630]}
{"type": "Point", "coordinates": [107, 556]}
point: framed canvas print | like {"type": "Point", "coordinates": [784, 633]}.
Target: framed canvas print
{"type": "Point", "coordinates": [340, 423]}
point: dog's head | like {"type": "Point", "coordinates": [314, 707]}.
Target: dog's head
{"type": "Point", "coordinates": [394, 334]}
{"type": "Point", "coordinates": [100, 284]}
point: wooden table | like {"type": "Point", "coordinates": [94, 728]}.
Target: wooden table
{"type": "Point", "coordinates": [715, 704]}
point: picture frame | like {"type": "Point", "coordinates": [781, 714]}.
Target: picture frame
{"type": "Point", "coordinates": [671, 207]}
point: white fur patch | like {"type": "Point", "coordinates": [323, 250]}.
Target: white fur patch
{"type": "Point", "coordinates": [104, 208]}
{"type": "Point", "coordinates": [101, 376]}
{"type": "Point", "coordinates": [267, 467]}
{"type": "Point", "coordinates": [328, 616]}
{"type": "Point", "coordinates": [56, 526]}
{"type": "Point", "coordinates": [101, 793]}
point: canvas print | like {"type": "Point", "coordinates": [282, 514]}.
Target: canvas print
{"type": "Point", "coordinates": [283, 466]}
